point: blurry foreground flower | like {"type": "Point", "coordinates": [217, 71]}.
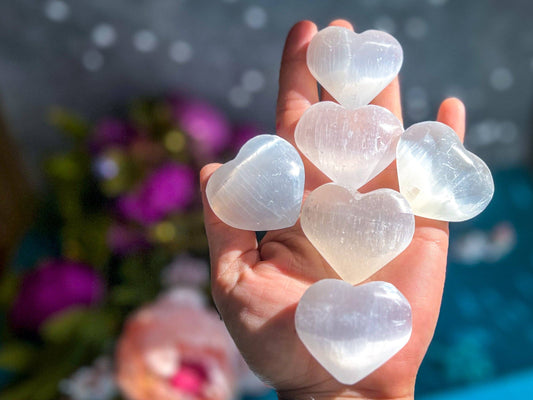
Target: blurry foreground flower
{"type": "Point", "coordinates": [91, 383]}
{"type": "Point", "coordinates": [170, 188]}
{"type": "Point", "coordinates": [176, 348]}
{"type": "Point", "coordinates": [54, 286]}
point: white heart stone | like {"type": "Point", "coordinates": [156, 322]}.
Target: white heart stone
{"type": "Point", "coordinates": [261, 189]}
{"type": "Point", "coordinates": [440, 178]}
{"type": "Point", "coordinates": [354, 68]}
{"type": "Point", "coordinates": [349, 146]}
{"type": "Point", "coordinates": [356, 233]}
{"type": "Point", "coordinates": [352, 331]}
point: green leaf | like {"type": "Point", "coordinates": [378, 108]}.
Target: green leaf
{"type": "Point", "coordinates": [70, 124]}
{"type": "Point", "coordinates": [83, 324]}
{"type": "Point", "coordinates": [16, 356]}
{"type": "Point", "coordinates": [9, 285]}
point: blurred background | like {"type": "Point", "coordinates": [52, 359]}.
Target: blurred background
{"type": "Point", "coordinates": [108, 107]}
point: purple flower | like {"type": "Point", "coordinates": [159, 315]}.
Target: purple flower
{"type": "Point", "coordinates": [207, 127]}
{"type": "Point", "coordinates": [243, 133]}
{"type": "Point", "coordinates": [111, 132]}
{"type": "Point", "coordinates": [54, 286]}
{"type": "Point", "coordinates": [170, 188]}
{"type": "Point", "coordinates": [124, 240]}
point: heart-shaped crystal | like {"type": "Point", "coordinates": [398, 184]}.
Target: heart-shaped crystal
{"type": "Point", "coordinates": [261, 189]}
{"type": "Point", "coordinates": [353, 67]}
{"type": "Point", "coordinates": [440, 178]}
{"type": "Point", "coordinates": [356, 233]}
{"type": "Point", "coordinates": [352, 331]}
{"type": "Point", "coordinates": [349, 146]}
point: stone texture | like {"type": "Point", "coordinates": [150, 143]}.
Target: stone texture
{"type": "Point", "coordinates": [350, 146]}
{"type": "Point", "coordinates": [351, 331]}
{"type": "Point", "coordinates": [262, 188]}
{"type": "Point", "coordinates": [357, 233]}
{"type": "Point", "coordinates": [439, 177]}
{"type": "Point", "coordinates": [354, 67]}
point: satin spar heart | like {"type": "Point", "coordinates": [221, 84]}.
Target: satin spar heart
{"type": "Point", "coordinates": [440, 178]}
{"type": "Point", "coordinates": [350, 146]}
{"type": "Point", "coordinates": [352, 331]}
{"type": "Point", "coordinates": [354, 68]}
{"type": "Point", "coordinates": [356, 233]}
{"type": "Point", "coordinates": [262, 188]}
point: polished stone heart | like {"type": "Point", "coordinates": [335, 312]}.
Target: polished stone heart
{"type": "Point", "coordinates": [356, 233]}
{"type": "Point", "coordinates": [440, 178]}
{"type": "Point", "coordinates": [352, 331]}
{"type": "Point", "coordinates": [262, 188]}
{"type": "Point", "coordinates": [354, 68]}
{"type": "Point", "coordinates": [349, 146]}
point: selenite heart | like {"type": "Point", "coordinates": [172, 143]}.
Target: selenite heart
{"type": "Point", "coordinates": [354, 68]}
{"type": "Point", "coordinates": [352, 331]}
{"type": "Point", "coordinates": [356, 233]}
{"type": "Point", "coordinates": [262, 188]}
{"type": "Point", "coordinates": [349, 146]}
{"type": "Point", "coordinates": [440, 178]}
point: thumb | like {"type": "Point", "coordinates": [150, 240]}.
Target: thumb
{"type": "Point", "coordinates": [231, 250]}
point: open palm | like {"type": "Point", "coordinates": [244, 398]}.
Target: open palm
{"type": "Point", "coordinates": [256, 286]}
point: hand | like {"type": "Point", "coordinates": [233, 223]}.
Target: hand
{"type": "Point", "coordinates": [256, 286]}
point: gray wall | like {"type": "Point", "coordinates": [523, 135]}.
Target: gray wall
{"type": "Point", "coordinates": [85, 56]}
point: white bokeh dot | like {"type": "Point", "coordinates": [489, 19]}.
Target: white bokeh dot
{"type": "Point", "coordinates": [255, 17]}
{"type": "Point", "coordinates": [501, 79]}
{"type": "Point", "coordinates": [253, 80]}
{"type": "Point", "coordinates": [104, 35]}
{"type": "Point", "coordinates": [92, 60]}
{"type": "Point", "coordinates": [239, 97]}
{"type": "Point", "coordinates": [56, 10]}
{"type": "Point", "coordinates": [416, 28]}
{"type": "Point", "coordinates": [385, 23]}
{"type": "Point", "coordinates": [145, 41]}
{"type": "Point", "coordinates": [180, 52]}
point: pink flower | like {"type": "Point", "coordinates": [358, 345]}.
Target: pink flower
{"type": "Point", "coordinates": [176, 348]}
{"type": "Point", "coordinates": [111, 132]}
{"type": "Point", "coordinates": [205, 125]}
{"type": "Point", "coordinates": [170, 188]}
{"type": "Point", "coordinates": [54, 286]}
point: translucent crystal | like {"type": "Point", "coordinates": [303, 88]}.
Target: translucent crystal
{"type": "Point", "coordinates": [349, 146]}
{"type": "Point", "coordinates": [356, 233]}
{"type": "Point", "coordinates": [351, 331]}
{"type": "Point", "coordinates": [262, 188]}
{"type": "Point", "coordinates": [439, 177]}
{"type": "Point", "coordinates": [353, 67]}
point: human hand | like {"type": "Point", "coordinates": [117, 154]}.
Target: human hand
{"type": "Point", "coordinates": [257, 286]}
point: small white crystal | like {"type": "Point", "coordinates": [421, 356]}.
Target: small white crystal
{"type": "Point", "coordinates": [354, 68]}
{"type": "Point", "coordinates": [352, 331]}
{"type": "Point", "coordinates": [262, 188]}
{"type": "Point", "coordinates": [440, 178]}
{"type": "Point", "coordinates": [349, 146]}
{"type": "Point", "coordinates": [357, 233]}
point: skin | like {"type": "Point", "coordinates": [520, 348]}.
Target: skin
{"type": "Point", "coordinates": [256, 286]}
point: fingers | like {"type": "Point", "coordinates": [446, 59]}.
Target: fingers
{"type": "Point", "coordinates": [343, 24]}
{"type": "Point", "coordinates": [390, 99]}
{"type": "Point", "coordinates": [231, 250]}
{"type": "Point", "coordinates": [452, 113]}
{"type": "Point", "coordinates": [297, 87]}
